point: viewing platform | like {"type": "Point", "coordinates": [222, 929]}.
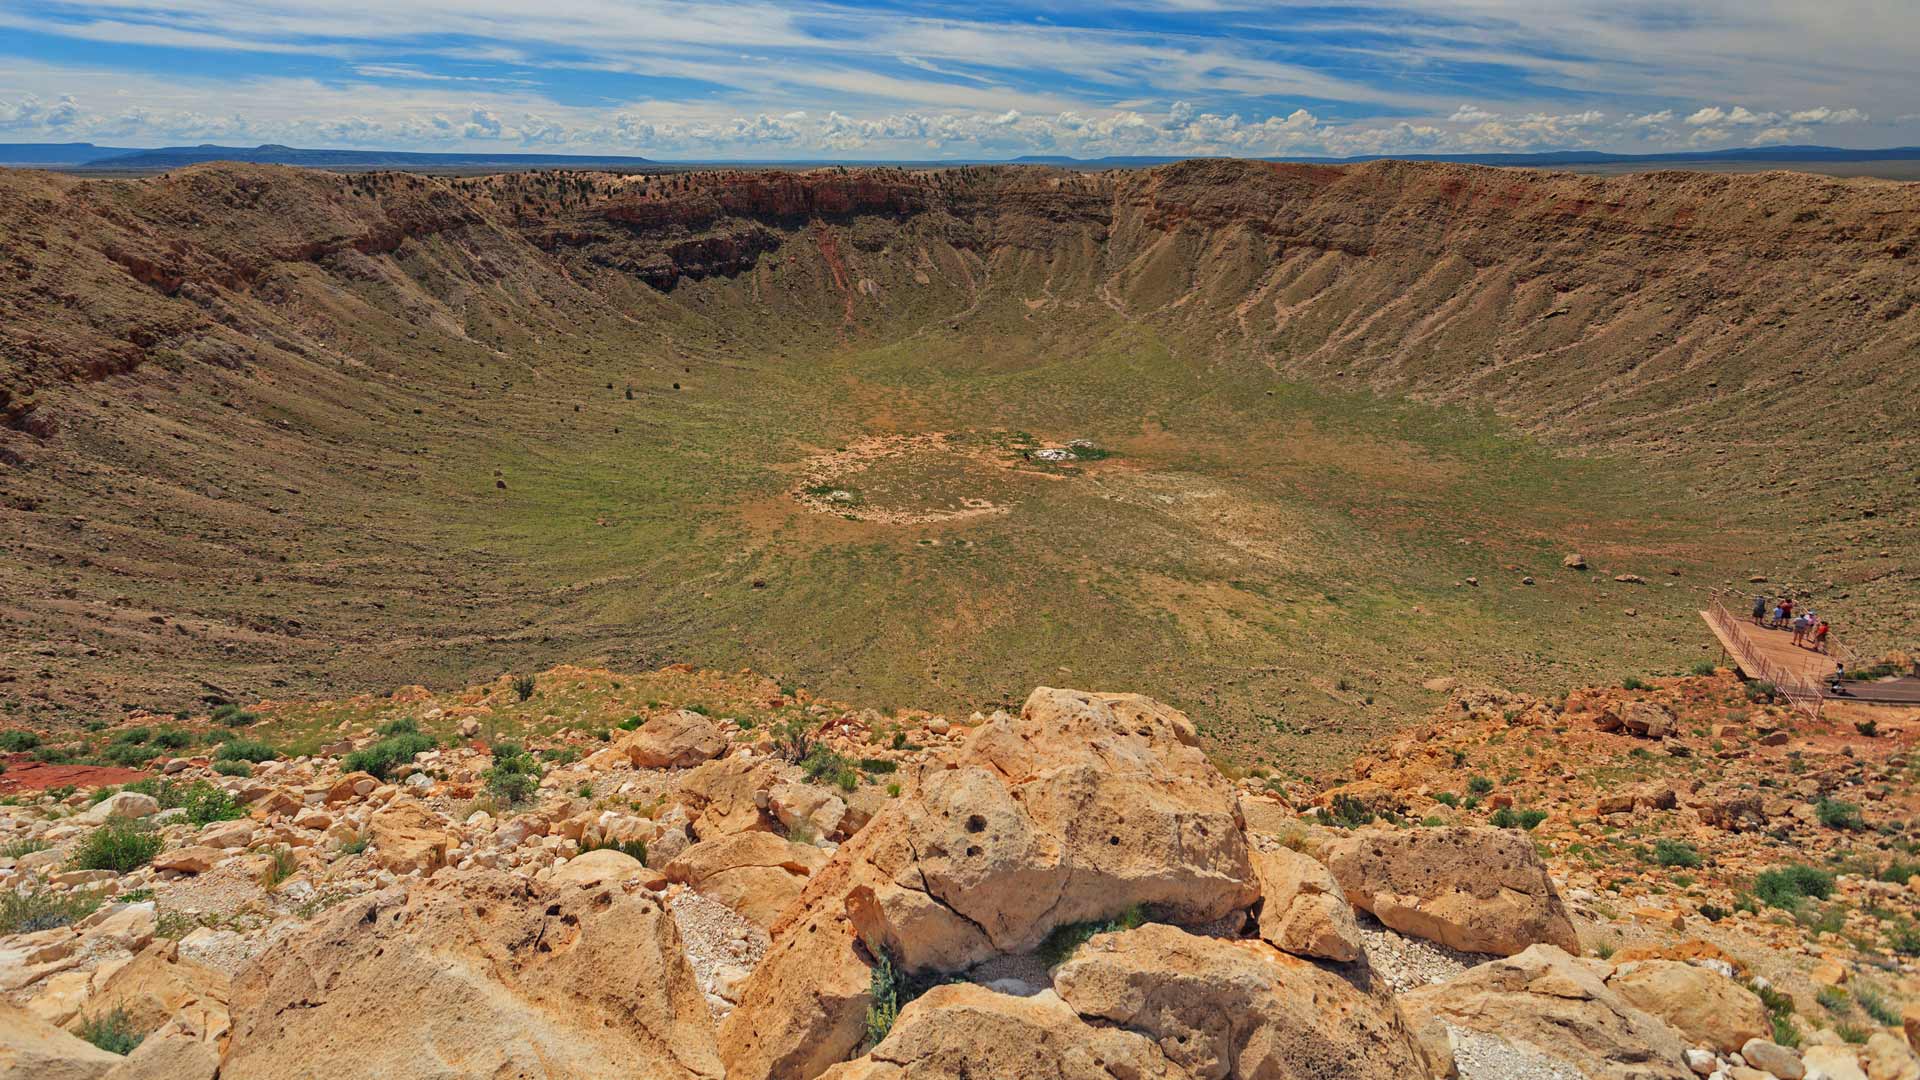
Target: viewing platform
{"type": "Point", "coordinates": [1801, 673]}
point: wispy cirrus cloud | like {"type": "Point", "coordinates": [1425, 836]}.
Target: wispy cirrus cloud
{"type": "Point", "coordinates": [750, 78]}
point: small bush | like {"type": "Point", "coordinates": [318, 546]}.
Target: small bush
{"type": "Point", "coordinates": [632, 723]}
{"type": "Point", "coordinates": [1505, 818]}
{"type": "Point", "coordinates": [1447, 799]}
{"type": "Point", "coordinates": [13, 849]}
{"type": "Point", "coordinates": [245, 750]}
{"type": "Point", "coordinates": [406, 725]}
{"type": "Point", "coordinates": [1479, 785]}
{"type": "Point", "coordinates": [1835, 814]}
{"type": "Point", "coordinates": [60, 755]}
{"type": "Point", "coordinates": [1675, 853]}
{"type": "Point", "coordinates": [1348, 812]}
{"type": "Point", "coordinates": [356, 845]}
{"type": "Point", "coordinates": [128, 755]}
{"type": "Point", "coordinates": [1779, 1014]}
{"type": "Point", "coordinates": [793, 738]}
{"type": "Point", "coordinates": [514, 775]}
{"type": "Point", "coordinates": [43, 909]}
{"type": "Point", "coordinates": [233, 716]}
{"type": "Point", "coordinates": [1868, 728]}
{"type": "Point", "coordinates": [824, 766]}
{"type": "Point", "coordinates": [1875, 1004]}
{"type": "Point", "coordinates": [523, 686]}
{"type": "Point", "coordinates": [635, 848]}
{"type": "Point", "coordinates": [121, 845]}
{"type": "Point", "coordinates": [1633, 683]}
{"type": "Point", "coordinates": [233, 768]}
{"type": "Point", "coordinates": [1713, 912]}
{"type": "Point", "coordinates": [1761, 692]}
{"type": "Point", "coordinates": [380, 759]}
{"type": "Point", "coordinates": [1834, 1000]}
{"type": "Point", "coordinates": [112, 1032]}
{"type": "Point", "coordinates": [173, 739]}
{"type": "Point", "coordinates": [280, 866]}
{"type": "Point", "coordinates": [1787, 886]}
{"type": "Point", "coordinates": [17, 741]}
{"type": "Point", "coordinates": [206, 803]}
{"type": "Point", "coordinates": [1704, 668]}
{"type": "Point", "coordinates": [881, 766]}
{"type": "Point", "coordinates": [884, 1009]}
{"type": "Point", "coordinates": [132, 735]}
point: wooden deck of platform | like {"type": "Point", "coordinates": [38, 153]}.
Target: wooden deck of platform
{"type": "Point", "coordinates": [1800, 673]}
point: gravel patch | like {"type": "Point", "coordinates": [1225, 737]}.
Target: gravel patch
{"type": "Point", "coordinates": [1409, 962]}
{"type": "Point", "coordinates": [1480, 1056]}
{"type": "Point", "coordinates": [722, 946]}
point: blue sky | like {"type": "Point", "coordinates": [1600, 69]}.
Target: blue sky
{"type": "Point", "coordinates": [752, 79]}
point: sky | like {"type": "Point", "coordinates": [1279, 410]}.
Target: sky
{"type": "Point", "coordinates": [906, 80]}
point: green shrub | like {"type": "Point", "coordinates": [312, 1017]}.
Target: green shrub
{"type": "Point", "coordinates": [523, 686]}
{"type": "Point", "coordinates": [13, 849]}
{"type": "Point", "coordinates": [173, 739]}
{"type": "Point", "coordinates": [1787, 886]}
{"type": "Point", "coordinates": [245, 750]}
{"type": "Point", "coordinates": [884, 1009]}
{"type": "Point", "coordinates": [1761, 692]}
{"type": "Point", "coordinates": [17, 741]}
{"type": "Point", "coordinates": [280, 866]}
{"type": "Point", "coordinates": [60, 755]}
{"type": "Point", "coordinates": [356, 845]}
{"type": "Point", "coordinates": [233, 768]}
{"type": "Point", "coordinates": [112, 1032]}
{"type": "Point", "coordinates": [1779, 1014]}
{"type": "Point", "coordinates": [1675, 853]}
{"type": "Point", "coordinates": [793, 738]}
{"type": "Point", "coordinates": [824, 766]}
{"type": "Point", "coordinates": [121, 845]}
{"type": "Point", "coordinates": [406, 725]}
{"type": "Point", "coordinates": [43, 909]}
{"type": "Point", "coordinates": [128, 755]}
{"type": "Point", "coordinates": [1348, 812]}
{"type": "Point", "coordinates": [1505, 818]}
{"type": "Point", "coordinates": [1633, 683]}
{"type": "Point", "coordinates": [1704, 668]}
{"type": "Point", "coordinates": [1875, 1004]}
{"type": "Point", "coordinates": [1713, 912]}
{"type": "Point", "coordinates": [1479, 785]}
{"type": "Point", "coordinates": [514, 775]}
{"type": "Point", "coordinates": [635, 848]}
{"type": "Point", "coordinates": [881, 766]}
{"type": "Point", "coordinates": [380, 759]}
{"type": "Point", "coordinates": [232, 716]}
{"type": "Point", "coordinates": [133, 735]}
{"type": "Point", "coordinates": [1448, 799]}
{"type": "Point", "coordinates": [1834, 1000]}
{"type": "Point", "coordinates": [1064, 940]}
{"type": "Point", "coordinates": [207, 803]}
{"type": "Point", "coordinates": [1835, 814]}
{"type": "Point", "coordinates": [632, 723]}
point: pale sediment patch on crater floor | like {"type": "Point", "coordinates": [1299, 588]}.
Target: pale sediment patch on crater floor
{"type": "Point", "coordinates": [932, 477]}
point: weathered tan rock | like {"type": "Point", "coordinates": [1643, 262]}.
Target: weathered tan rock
{"type": "Point", "coordinates": [1267, 815]}
{"type": "Point", "coordinates": [156, 986]}
{"type": "Point", "coordinates": [197, 859]}
{"type": "Point", "coordinates": [756, 874]}
{"type": "Point", "coordinates": [1236, 1009]}
{"type": "Point", "coordinates": [491, 976]}
{"type": "Point", "coordinates": [603, 867]}
{"type": "Point", "coordinates": [1475, 889]}
{"type": "Point", "coordinates": [32, 1049]}
{"type": "Point", "coordinates": [179, 1050]}
{"type": "Point", "coordinates": [226, 834]}
{"type": "Point", "coordinates": [350, 785]}
{"type": "Point", "coordinates": [1707, 1008]}
{"type": "Point", "coordinates": [1560, 1006]}
{"type": "Point", "coordinates": [804, 1007]}
{"type": "Point", "coordinates": [1887, 1057]}
{"type": "Point", "coordinates": [407, 836]}
{"type": "Point", "coordinates": [1771, 1057]}
{"type": "Point", "coordinates": [1833, 1062]}
{"type": "Point", "coordinates": [1648, 718]}
{"type": "Point", "coordinates": [1302, 910]}
{"type": "Point", "coordinates": [807, 806]}
{"type": "Point", "coordinates": [722, 797]}
{"type": "Point", "coordinates": [1084, 806]}
{"type": "Point", "coordinates": [677, 740]}
{"type": "Point", "coordinates": [121, 804]}
{"type": "Point", "coordinates": [962, 1030]}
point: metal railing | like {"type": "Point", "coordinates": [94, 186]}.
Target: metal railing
{"type": "Point", "coordinates": [1804, 693]}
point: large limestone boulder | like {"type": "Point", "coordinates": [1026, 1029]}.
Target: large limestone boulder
{"type": "Point", "coordinates": [601, 868]}
{"type": "Point", "coordinates": [492, 976]}
{"type": "Point", "coordinates": [121, 804]}
{"type": "Point", "coordinates": [1474, 889]}
{"type": "Point", "coordinates": [407, 837]}
{"type": "Point", "coordinates": [807, 806]}
{"type": "Point", "coordinates": [677, 740]}
{"type": "Point", "coordinates": [32, 1049]}
{"type": "Point", "coordinates": [1230, 1009]}
{"type": "Point", "coordinates": [1302, 910]}
{"type": "Point", "coordinates": [804, 1007]}
{"type": "Point", "coordinates": [1560, 1006]}
{"type": "Point", "coordinates": [179, 1050]}
{"type": "Point", "coordinates": [724, 796]}
{"type": "Point", "coordinates": [1706, 1007]}
{"type": "Point", "coordinates": [963, 1030]}
{"type": "Point", "coordinates": [1083, 806]}
{"type": "Point", "coordinates": [756, 874]}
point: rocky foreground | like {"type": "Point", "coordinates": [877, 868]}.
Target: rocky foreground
{"type": "Point", "coordinates": [1622, 884]}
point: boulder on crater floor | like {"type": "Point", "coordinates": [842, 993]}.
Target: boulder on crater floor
{"type": "Point", "coordinates": [679, 739]}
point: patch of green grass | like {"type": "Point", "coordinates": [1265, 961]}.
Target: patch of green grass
{"type": "Point", "coordinates": [13, 849]}
{"type": "Point", "coordinates": [1677, 853]}
{"type": "Point", "coordinates": [1835, 814]}
{"type": "Point", "coordinates": [380, 759]}
{"type": "Point", "coordinates": [18, 741]}
{"type": "Point", "coordinates": [43, 909]}
{"type": "Point", "coordinates": [635, 848]}
{"type": "Point", "coordinates": [1874, 1003]}
{"type": "Point", "coordinates": [1786, 886]}
{"type": "Point", "coordinates": [1779, 1013]}
{"type": "Point", "coordinates": [251, 750]}
{"type": "Point", "coordinates": [281, 865]}
{"type": "Point", "coordinates": [233, 768]}
{"type": "Point", "coordinates": [207, 803]}
{"type": "Point", "coordinates": [121, 845]}
{"type": "Point", "coordinates": [112, 1032]}
{"type": "Point", "coordinates": [1064, 940]}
